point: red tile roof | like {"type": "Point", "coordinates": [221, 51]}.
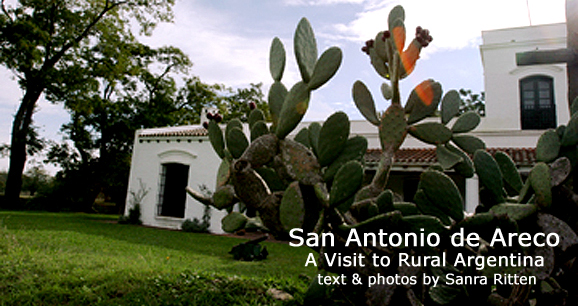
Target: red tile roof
{"type": "Point", "coordinates": [193, 131]}
{"type": "Point", "coordinates": [427, 156]}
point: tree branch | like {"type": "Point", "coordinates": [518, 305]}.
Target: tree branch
{"type": "Point", "coordinates": [107, 8]}
{"type": "Point", "coordinates": [157, 81]}
{"type": "Point", "coordinates": [5, 11]}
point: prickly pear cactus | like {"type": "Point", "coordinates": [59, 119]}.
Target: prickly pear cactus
{"type": "Point", "coordinates": [314, 180]}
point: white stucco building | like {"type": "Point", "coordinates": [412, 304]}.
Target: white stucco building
{"type": "Point", "coordinates": [521, 102]}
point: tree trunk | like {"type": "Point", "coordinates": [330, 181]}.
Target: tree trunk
{"type": "Point", "coordinates": [20, 129]}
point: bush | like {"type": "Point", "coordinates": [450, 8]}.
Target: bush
{"type": "Point", "coordinates": [133, 216]}
{"type": "Point", "coordinates": [195, 226]}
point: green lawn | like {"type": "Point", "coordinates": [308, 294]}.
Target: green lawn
{"type": "Point", "coordinates": [55, 259]}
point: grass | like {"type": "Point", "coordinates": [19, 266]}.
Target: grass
{"type": "Point", "coordinates": [80, 259]}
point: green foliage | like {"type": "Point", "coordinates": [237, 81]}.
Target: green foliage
{"type": "Point", "coordinates": [471, 101]}
{"type": "Point", "coordinates": [195, 226]}
{"type": "Point", "coordinates": [133, 216]}
{"type": "Point", "coordinates": [50, 45]}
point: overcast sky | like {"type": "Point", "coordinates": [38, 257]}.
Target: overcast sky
{"type": "Point", "coordinates": [228, 42]}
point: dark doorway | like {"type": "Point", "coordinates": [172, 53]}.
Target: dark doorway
{"type": "Point", "coordinates": [537, 98]}
{"type": "Point", "coordinates": [172, 195]}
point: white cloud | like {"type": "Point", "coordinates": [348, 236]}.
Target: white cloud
{"type": "Point", "coordinates": [454, 24]}
{"type": "Point", "coordinates": [218, 53]}
{"type": "Point", "coordinates": [320, 2]}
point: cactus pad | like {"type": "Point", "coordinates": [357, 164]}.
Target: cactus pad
{"type": "Point", "coordinates": [426, 207]}
{"type": "Point", "coordinates": [431, 132]}
{"type": "Point", "coordinates": [332, 138]}
{"type": "Point", "coordinates": [293, 110]}
{"type": "Point", "coordinates": [560, 170]}
{"type": "Point", "coordinates": [314, 130]}
{"type": "Point", "coordinates": [224, 197]}
{"type": "Point", "coordinates": [515, 212]}
{"type": "Point", "coordinates": [540, 180]}
{"type": "Point", "coordinates": [548, 146]}
{"type": "Point", "coordinates": [447, 158]}
{"type": "Point", "coordinates": [392, 130]}
{"type": "Point", "coordinates": [259, 129]}
{"type": "Point", "coordinates": [450, 106]}
{"type": "Point", "coordinates": [354, 149]}
{"type": "Point", "coordinates": [233, 222]}
{"type": "Point", "coordinates": [276, 98]}
{"type": "Point", "coordinates": [469, 143]}
{"type": "Point", "coordinates": [326, 67]}
{"type": "Point", "coordinates": [277, 59]}
{"type": "Point", "coordinates": [364, 102]}
{"type": "Point", "coordinates": [216, 138]}
{"type": "Point", "coordinates": [305, 49]}
{"type": "Point", "coordinates": [385, 201]}
{"type": "Point", "coordinates": [490, 174]}
{"type": "Point", "coordinates": [466, 166]}
{"type": "Point", "coordinates": [443, 193]}
{"type": "Point", "coordinates": [236, 142]}
{"type": "Point", "coordinates": [300, 163]}
{"type": "Point", "coordinates": [255, 116]}
{"type": "Point", "coordinates": [302, 137]}
{"type": "Point", "coordinates": [429, 224]}
{"type": "Point", "coordinates": [423, 100]}
{"type": "Point", "coordinates": [466, 122]}
{"type": "Point", "coordinates": [570, 137]}
{"type": "Point", "coordinates": [223, 173]}
{"type": "Point", "coordinates": [509, 171]}
{"type": "Point", "coordinates": [406, 208]}
{"type": "Point", "coordinates": [346, 182]}
{"type": "Point", "coordinates": [261, 151]}
{"type": "Point", "coordinates": [292, 208]}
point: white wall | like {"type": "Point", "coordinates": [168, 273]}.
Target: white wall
{"type": "Point", "coordinates": [502, 75]}
{"type": "Point", "coordinates": [148, 155]}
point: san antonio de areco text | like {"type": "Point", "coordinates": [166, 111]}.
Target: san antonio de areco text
{"type": "Point", "coordinates": [423, 239]}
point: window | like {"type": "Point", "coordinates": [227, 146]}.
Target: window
{"type": "Point", "coordinates": [538, 109]}
{"type": "Point", "coordinates": [172, 195]}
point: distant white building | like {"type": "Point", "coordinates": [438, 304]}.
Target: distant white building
{"type": "Point", "coordinates": [521, 102]}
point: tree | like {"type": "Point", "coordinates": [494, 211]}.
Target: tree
{"type": "Point", "coordinates": [237, 103]}
{"type": "Point", "coordinates": [41, 42]}
{"type": "Point", "coordinates": [122, 93]}
{"type": "Point", "coordinates": [230, 103]}
{"type": "Point", "coordinates": [35, 179]}
{"type": "Point", "coordinates": [472, 102]}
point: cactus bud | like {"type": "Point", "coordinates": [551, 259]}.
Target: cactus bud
{"type": "Point", "coordinates": [386, 35]}
{"type": "Point", "coordinates": [206, 125]}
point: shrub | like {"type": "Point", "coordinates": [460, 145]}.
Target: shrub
{"type": "Point", "coordinates": [195, 226]}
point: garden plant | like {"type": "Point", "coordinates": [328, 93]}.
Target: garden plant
{"type": "Point", "coordinates": [314, 183]}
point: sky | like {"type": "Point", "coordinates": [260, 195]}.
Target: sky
{"type": "Point", "coordinates": [228, 42]}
